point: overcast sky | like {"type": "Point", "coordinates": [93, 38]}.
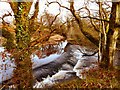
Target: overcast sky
{"type": "Point", "coordinates": [53, 8]}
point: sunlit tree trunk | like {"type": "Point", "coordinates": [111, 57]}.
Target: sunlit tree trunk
{"type": "Point", "coordinates": [100, 33]}
{"type": "Point", "coordinates": [108, 55]}
{"type": "Point", "coordinates": [102, 38]}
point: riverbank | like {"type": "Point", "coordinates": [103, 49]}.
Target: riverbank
{"type": "Point", "coordinates": [100, 78]}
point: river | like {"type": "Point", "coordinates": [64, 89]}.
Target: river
{"type": "Point", "coordinates": [7, 64]}
{"type": "Point", "coordinates": [54, 68]}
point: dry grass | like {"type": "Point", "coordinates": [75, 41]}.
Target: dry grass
{"type": "Point", "coordinates": [95, 79]}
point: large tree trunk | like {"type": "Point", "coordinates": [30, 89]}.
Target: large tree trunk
{"type": "Point", "coordinates": [108, 55]}
{"type": "Point", "coordinates": [23, 73]}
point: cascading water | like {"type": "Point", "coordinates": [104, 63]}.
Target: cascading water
{"type": "Point", "coordinates": [7, 64]}
{"type": "Point", "coordinates": [60, 65]}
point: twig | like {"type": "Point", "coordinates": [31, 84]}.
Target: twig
{"type": "Point", "coordinates": [2, 87]}
{"type": "Point", "coordinates": [96, 18]}
{"type": "Point", "coordinates": [58, 4]}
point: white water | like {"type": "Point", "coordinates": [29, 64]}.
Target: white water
{"type": "Point", "coordinates": [83, 64]}
{"type": "Point", "coordinates": [7, 66]}
{"type": "Point", "coordinates": [38, 62]}
{"type": "Point", "coordinates": [61, 75]}
{"type": "Point", "coordinates": [58, 77]}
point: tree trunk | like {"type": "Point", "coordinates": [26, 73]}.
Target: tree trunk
{"type": "Point", "coordinates": [108, 55]}
{"type": "Point", "coordinates": [23, 73]}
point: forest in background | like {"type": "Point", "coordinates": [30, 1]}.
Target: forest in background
{"type": "Point", "coordinates": [98, 31]}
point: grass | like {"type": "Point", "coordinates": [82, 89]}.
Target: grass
{"type": "Point", "coordinates": [94, 79]}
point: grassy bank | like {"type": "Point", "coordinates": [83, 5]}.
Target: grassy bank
{"type": "Point", "coordinates": [94, 79]}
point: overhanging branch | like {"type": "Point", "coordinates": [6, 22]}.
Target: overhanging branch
{"type": "Point", "coordinates": [95, 18]}
{"type": "Point", "coordinates": [48, 3]}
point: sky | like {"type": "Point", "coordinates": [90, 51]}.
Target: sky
{"type": "Point", "coordinates": [53, 8]}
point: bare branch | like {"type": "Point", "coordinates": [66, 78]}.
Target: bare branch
{"type": "Point", "coordinates": [96, 18]}
{"type": "Point", "coordinates": [36, 10]}
{"type": "Point", "coordinates": [14, 7]}
{"type": "Point", "coordinates": [39, 40]}
{"type": "Point", "coordinates": [91, 20]}
{"type": "Point", "coordinates": [48, 3]}
{"type": "Point", "coordinates": [54, 19]}
{"type": "Point", "coordinates": [5, 15]}
{"type": "Point", "coordinates": [78, 20]}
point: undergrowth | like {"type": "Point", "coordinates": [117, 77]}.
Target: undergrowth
{"type": "Point", "coordinates": [94, 79]}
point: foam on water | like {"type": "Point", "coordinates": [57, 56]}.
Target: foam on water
{"type": "Point", "coordinates": [7, 65]}
{"type": "Point", "coordinates": [2, 49]}
{"type": "Point", "coordinates": [81, 65]}
{"type": "Point", "coordinates": [38, 62]}
{"type": "Point", "coordinates": [58, 77]}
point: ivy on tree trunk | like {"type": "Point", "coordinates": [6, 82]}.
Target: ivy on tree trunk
{"type": "Point", "coordinates": [23, 72]}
